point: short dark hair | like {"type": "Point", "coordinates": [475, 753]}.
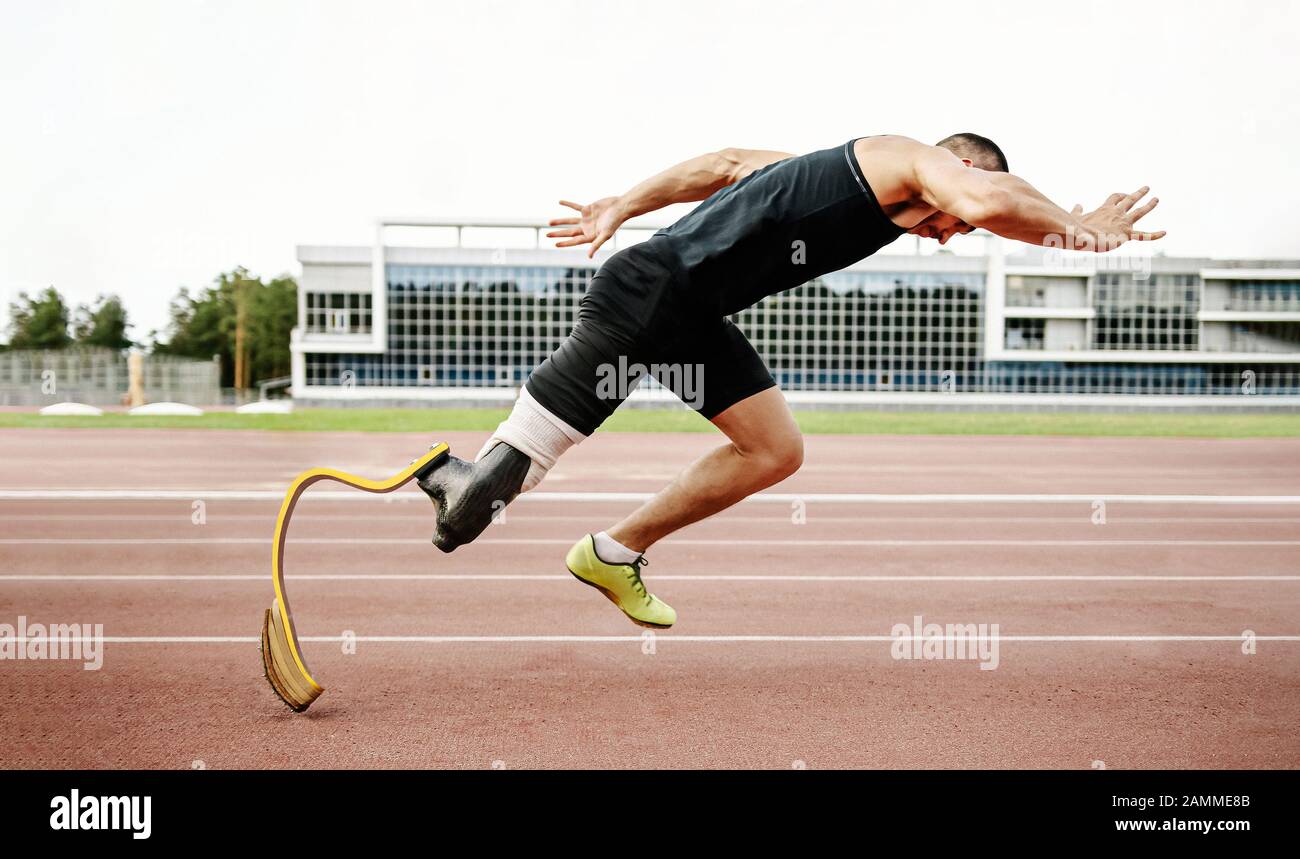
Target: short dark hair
{"type": "Point", "coordinates": [982, 152]}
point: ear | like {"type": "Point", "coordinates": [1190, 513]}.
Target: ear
{"type": "Point", "coordinates": [968, 162]}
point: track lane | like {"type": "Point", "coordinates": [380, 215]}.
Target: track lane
{"type": "Point", "coordinates": [690, 703]}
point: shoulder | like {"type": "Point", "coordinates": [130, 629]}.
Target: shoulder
{"type": "Point", "coordinates": [889, 164]}
{"type": "Point", "coordinates": [895, 145]}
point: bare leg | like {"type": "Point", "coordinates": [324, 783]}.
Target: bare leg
{"type": "Point", "coordinates": [765, 448]}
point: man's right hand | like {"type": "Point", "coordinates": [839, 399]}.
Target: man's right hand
{"type": "Point", "coordinates": [598, 222]}
{"type": "Point", "coordinates": [1111, 224]}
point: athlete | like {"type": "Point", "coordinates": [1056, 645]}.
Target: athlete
{"type": "Point", "coordinates": [770, 221]}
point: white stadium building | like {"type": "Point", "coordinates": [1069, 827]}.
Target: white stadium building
{"type": "Point", "coordinates": [400, 323]}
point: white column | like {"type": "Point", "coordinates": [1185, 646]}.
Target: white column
{"type": "Point", "coordinates": [995, 298]}
{"type": "Point", "coordinates": [378, 292]}
{"type": "Point", "coordinates": [297, 363]}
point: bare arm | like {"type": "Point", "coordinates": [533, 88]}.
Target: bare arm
{"type": "Point", "coordinates": [687, 182]}
{"type": "Point", "coordinates": [1010, 207]}
{"type": "Point", "coordinates": [696, 179]}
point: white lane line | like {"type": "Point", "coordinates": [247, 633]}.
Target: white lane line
{"type": "Point", "coordinates": [547, 541]}
{"type": "Point", "coordinates": [563, 497]}
{"type": "Point", "coordinates": [184, 514]}
{"type": "Point", "coordinates": [546, 577]}
{"type": "Point", "coordinates": [659, 636]}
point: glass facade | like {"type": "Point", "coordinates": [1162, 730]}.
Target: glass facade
{"type": "Point", "coordinates": [1275, 337]}
{"type": "Point", "coordinates": [1157, 312]}
{"type": "Point", "coordinates": [1264, 295]}
{"type": "Point", "coordinates": [1054, 377]}
{"type": "Point", "coordinates": [461, 325]}
{"type": "Point", "coordinates": [853, 331]}
{"type": "Point", "coordinates": [453, 326]}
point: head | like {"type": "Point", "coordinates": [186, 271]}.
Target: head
{"type": "Point", "coordinates": [974, 151]}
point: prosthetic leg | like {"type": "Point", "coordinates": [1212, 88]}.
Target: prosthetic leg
{"type": "Point", "coordinates": [282, 659]}
{"type": "Point", "coordinates": [515, 459]}
{"type": "Point", "coordinates": [467, 495]}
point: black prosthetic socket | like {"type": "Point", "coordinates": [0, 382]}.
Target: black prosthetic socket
{"type": "Point", "coordinates": [466, 495]}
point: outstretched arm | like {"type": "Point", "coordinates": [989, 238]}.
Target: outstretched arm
{"type": "Point", "coordinates": [687, 182]}
{"type": "Point", "coordinates": [1010, 207]}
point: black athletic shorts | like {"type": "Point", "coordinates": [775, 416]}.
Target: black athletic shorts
{"type": "Point", "coordinates": [637, 319]}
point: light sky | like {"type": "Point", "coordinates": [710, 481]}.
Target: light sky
{"type": "Point", "coordinates": [149, 145]}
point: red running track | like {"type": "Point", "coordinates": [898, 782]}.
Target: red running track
{"type": "Point", "coordinates": [748, 677]}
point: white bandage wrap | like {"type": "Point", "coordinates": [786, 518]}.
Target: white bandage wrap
{"type": "Point", "coordinates": [533, 431]}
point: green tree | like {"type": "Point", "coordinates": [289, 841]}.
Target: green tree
{"type": "Point", "coordinates": [205, 324]}
{"type": "Point", "coordinates": [39, 322]}
{"type": "Point", "coordinates": [102, 324]}
{"type": "Point", "coordinates": [197, 327]}
{"type": "Point", "coordinates": [272, 314]}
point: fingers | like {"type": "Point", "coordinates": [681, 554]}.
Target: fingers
{"type": "Point", "coordinates": [1109, 242]}
{"type": "Point", "coordinates": [1128, 200]}
{"type": "Point", "coordinates": [1077, 210]}
{"type": "Point", "coordinates": [1139, 236]}
{"type": "Point", "coordinates": [560, 222]}
{"type": "Point", "coordinates": [596, 243]}
{"type": "Point", "coordinates": [1113, 199]}
{"type": "Point", "coordinates": [564, 234]}
{"type": "Point", "coordinates": [1144, 209]}
{"type": "Point", "coordinates": [580, 240]}
{"type": "Point", "coordinates": [575, 206]}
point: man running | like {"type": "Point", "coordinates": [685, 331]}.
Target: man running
{"type": "Point", "coordinates": [770, 221]}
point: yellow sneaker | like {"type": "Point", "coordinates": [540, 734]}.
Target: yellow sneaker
{"type": "Point", "coordinates": [621, 583]}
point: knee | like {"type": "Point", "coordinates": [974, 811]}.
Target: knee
{"type": "Point", "coordinates": [782, 458]}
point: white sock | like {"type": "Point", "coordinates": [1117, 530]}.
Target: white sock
{"type": "Point", "coordinates": [611, 551]}
{"type": "Point", "coordinates": [535, 432]}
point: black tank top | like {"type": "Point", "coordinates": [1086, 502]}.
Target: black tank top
{"type": "Point", "coordinates": [778, 227]}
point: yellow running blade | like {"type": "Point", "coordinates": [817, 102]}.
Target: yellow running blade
{"type": "Point", "coordinates": [282, 659]}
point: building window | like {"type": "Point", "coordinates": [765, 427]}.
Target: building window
{"type": "Point", "coordinates": [1144, 314]}
{"type": "Point", "coordinates": [338, 313]}
{"type": "Point", "coordinates": [1024, 333]}
{"type": "Point", "coordinates": [1264, 295]}
{"type": "Point", "coordinates": [1026, 292]}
